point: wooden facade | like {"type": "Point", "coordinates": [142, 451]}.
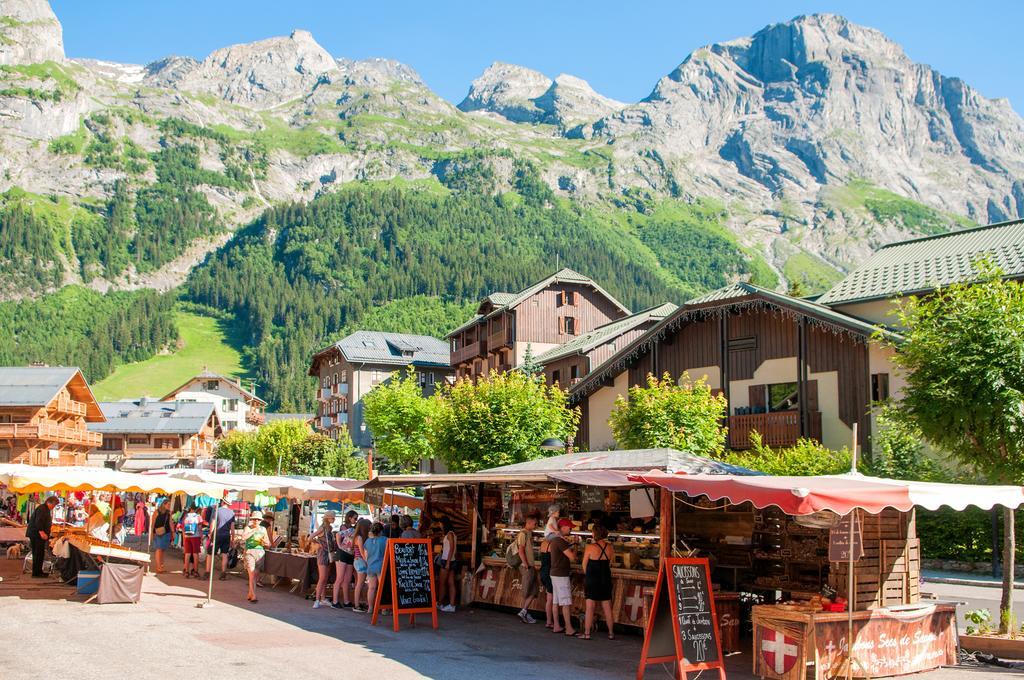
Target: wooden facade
{"type": "Point", "coordinates": [570, 370]}
{"type": "Point", "coordinates": [546, 315]}
{"type": "Point", "coordinates": [145, 433]}
{"type": "Point", "coordinates": [50, 430]}
{"type": "Point", "coordinates": [788, 368]}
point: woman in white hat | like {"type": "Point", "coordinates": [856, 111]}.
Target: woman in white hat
{"type": "Point", "coordinates": [255, 541]}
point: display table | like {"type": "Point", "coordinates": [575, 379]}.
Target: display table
{"type": "Point", "coordinates": [893, 641]}
{"type": "Point", "coordinates": [632, 591]}
{"type": "Point", "coordinates": [97, 548]}
{"type": "Point", "coordinates": [300, 568]}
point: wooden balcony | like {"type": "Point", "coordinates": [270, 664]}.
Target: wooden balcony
{"type": "Point", "coordinates": [51, 432]}
{"type": "Point", "coordinates": [469, 352]}
{"type": "Point", "coordinates": [781, 428]}
{"type": "Point", "coordinates": [499, 339]}
{"type": "Point", "coordinates": [255, 418]}
{"type": "Point", "coordinates": [68, 406]}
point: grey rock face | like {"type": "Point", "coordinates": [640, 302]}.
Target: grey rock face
{"type": "Point", "coordinates": [819, 101]}
{"type": "Point", "coordinates": [259, 75]}
{"type": "Point", "coordinates": [572, 101]}
{"type": "Point", "coordinates": [523, 95]}
{"type": "Point", "coordinates": [29, 33]}
{"type": "Point", "coordinates": [509, 91]}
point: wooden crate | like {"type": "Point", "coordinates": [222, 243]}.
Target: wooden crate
{"type": "Point", "coordinates": [889, 573]}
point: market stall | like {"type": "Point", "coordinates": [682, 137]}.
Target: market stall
{"type": "Point", "coordinates": [487, 511]}
{"type": "Point", "coordinates": [844, 568]}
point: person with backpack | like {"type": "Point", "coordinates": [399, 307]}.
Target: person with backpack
{"type": "Point", "coordinates": [523, 559]}
{"type": "Point", "coordinates": [192, 538]}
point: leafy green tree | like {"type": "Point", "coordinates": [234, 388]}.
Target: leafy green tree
{"type": "Point", "coordinates": [963, 358]}
{"type": "Point", "coordinates": [321, 456]}
{"type": "Point", "coordinates": [399, 416]}
{"type": "Point", "coordinates": [499, 420]}
{"type": "Point", "coordinates": [899, 451]}
{"type": "Point", "coordinates": [685, 416]}
{"type": "Point", "coordinates": [806, 457]}
{"type": "Point", "coordinates": [239, 448]}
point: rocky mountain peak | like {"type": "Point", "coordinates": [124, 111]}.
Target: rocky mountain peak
{"type": "Point", "coordinates": [261, 74]}
{"type": "Point", "coordinates": [509, 91]}
{"type": "Point", "coordinates": [571, 101]}
{"type": "Point", "coordinates": [29, 33]}
{"type": "Point", "coordinates": [523, 95]}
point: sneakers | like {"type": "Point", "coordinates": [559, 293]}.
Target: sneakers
{"type": "Point", "coordinates": [449, 608]}
{"type": "Point", "coordinates": [525, 617]}
{"type": "Point", "coordinates": [362, 609]}
{"type": "Point", "coordinates": [335, 605]}
{"type": "Point", "coordinates": [317, 604]}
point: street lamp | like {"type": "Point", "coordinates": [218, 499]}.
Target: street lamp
{"type": "Point", "coordinates": [552, 444]}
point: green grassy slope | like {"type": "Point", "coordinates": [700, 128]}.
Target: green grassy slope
{"type": "Point", "coordinates": [205, 341]}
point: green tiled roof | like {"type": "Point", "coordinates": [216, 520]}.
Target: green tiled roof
{"type": "Point", "coordinates": [605, 333]}
{"type": "Point", "coordinates": [932, 262]}
{"type": "Point", "coordinates": [812, 307]}
{"type": "Point", "coordinates": [502, 301]}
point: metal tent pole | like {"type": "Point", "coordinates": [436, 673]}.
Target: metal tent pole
{"type": "Point", "coordinates": [851, 597]}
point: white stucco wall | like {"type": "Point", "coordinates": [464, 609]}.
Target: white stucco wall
{"type": "Point", "coordinates": [196, 391]}
{"type": "Point", "coordinates": [600, 407]}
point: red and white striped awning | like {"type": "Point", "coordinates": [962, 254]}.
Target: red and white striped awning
{"type": "Point", "coordinates": [838, 493]}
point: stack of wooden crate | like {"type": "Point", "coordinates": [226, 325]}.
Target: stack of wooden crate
{"type": "Point", "coordinates": [889, 573]}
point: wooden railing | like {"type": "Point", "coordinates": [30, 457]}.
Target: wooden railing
{"type": "Point", "coordinates": [255, 418]}
{"type": "Point", "coordinates": [499, 339]}
{"type": "Point", "coordinates": [50, 432]}
{"type": "Point", "coordinates": [69, 406]}
{"type": "Point", "coordinates": [781, 428]}
{"type": "Point", "coordinates": [469, 352]}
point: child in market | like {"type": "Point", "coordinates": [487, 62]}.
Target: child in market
{"type": "Point", "coordinates": [551, 527]}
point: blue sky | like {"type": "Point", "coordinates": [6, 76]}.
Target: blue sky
{"type": "Point", "coordinates": [622, 48]}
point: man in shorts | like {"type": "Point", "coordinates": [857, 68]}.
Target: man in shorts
{"type": "Point", "coordinates": [224, 522]}
{"type": "Point", "coordinates": [529, 574]}
{"type": "Point", "coordinates": [191, 542]}
{"type": "Point", "coordinates": [562, 557]}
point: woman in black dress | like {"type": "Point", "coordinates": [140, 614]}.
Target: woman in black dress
{"type": "Point", "coordinates": [597, 581]}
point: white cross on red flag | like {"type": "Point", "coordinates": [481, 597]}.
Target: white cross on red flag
{"type": "Point", "coordinates": [778, 650]}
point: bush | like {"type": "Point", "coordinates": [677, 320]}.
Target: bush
{"type": "Point", "coordinates": [807, 457]}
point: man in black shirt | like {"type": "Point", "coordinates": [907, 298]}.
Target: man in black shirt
{"type": "Point", "coordinates": [38, 533]}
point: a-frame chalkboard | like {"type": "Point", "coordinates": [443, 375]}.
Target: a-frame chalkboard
{"type": "Point", "coordinates": [682, 626]}
{"type": "Point", "coordinates": [406, 584]}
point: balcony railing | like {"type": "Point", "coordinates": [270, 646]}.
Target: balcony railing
{"type": "Point", "coordinates": [468, 353]}
{"type": "Point", "coordinates": [341, 419]}
{"type": "Point", "coordinates": [69, 406]}
{"type": "Point", "coordinates": [255, 418]}
{"type": "Point", "coordinates": [340, 389]}
{"type": "Point", "coordinates": [781, 428]}
{"type": "Point", "coordinates": [499, 339]}
{"type": "Point", "coordinates": [325, 393]}
{"type": "Point", "coordinates": [325, 422]}
{"type": "Point", "coordinates": [51, 432]}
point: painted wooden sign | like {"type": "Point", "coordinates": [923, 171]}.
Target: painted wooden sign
{"type": "Point", "coordinates": [406, 584]}
{"type": "Point", "coordinates": [894, 643]}
{"type": "Point", "coordinates": [841, 543]}
{"type": "Point", "coordinates": [682, 628]}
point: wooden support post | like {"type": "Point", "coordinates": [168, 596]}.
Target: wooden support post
{"type": "Point", "coordinates": [667, 539]}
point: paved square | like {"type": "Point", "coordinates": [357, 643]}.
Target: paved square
{"type": "Point", "coordinates": [49, 633]}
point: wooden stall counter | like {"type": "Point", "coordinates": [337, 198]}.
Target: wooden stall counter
{"type": "Point", "coordinates": [94, 546]}
{"type": "Point", "coordinates": [897, 640]}
{"type": "Point", "coordinates": [632, 591]}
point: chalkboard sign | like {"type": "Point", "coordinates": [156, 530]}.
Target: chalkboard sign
{"type": "Point", "coordinates": [406, 584]}
{"type": "Point", "coordinates": [682, 627]}
{"type": "Point", "coordinates": [840, 545]}
{"type": "Point", "coordinates": [591, 498]}
{"type": "Point", "coordinates": [412, 575]}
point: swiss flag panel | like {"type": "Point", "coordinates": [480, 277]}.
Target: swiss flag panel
{"type": "Point", "coordinates": [778, 651]}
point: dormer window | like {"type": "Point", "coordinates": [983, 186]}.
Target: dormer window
{"type": "Point", "coordinates": [211, 384]}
